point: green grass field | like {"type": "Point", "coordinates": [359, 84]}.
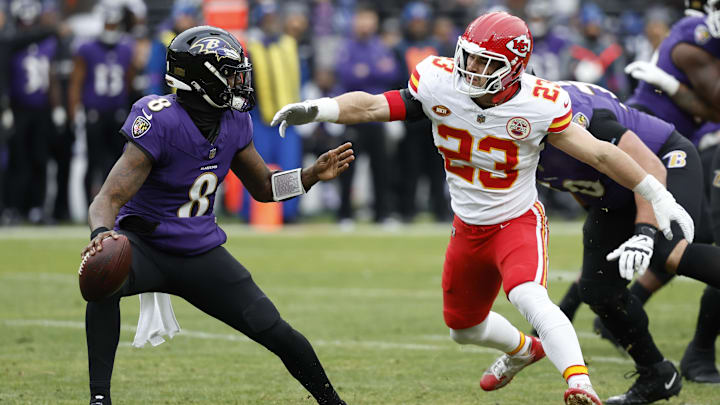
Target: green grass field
{"type": "Point", "coordinates": [369, 301]}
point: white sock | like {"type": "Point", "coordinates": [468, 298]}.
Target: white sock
{"type": "Point", "coordinates": [495, 331]}
{"type": "Point", "coordinates": [556, 332]}
{"type": "Point", "coordinates": [578, 380]}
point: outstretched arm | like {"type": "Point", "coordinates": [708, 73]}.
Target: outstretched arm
{"type": "Point", "coordinates": [358, 107]}
{"type": "Point", "coordinates": [251, 169]}
{"type": "Point", "coordinates": [636, 149]}
{"type": "Point", "coordinates": [603, 156]}
{"type": "Point", "coordinates": [350, 108]}
{"type": "Point", "coordinates": [609, 159]}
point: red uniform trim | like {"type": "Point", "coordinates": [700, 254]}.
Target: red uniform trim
{"type": "Point", "coordinates": [414, 80]}
{"type": "Point", "coordinates": [561, 123]}
{"type": "Point", "coordinates": [397, 105]}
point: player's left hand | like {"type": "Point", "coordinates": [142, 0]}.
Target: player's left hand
{"type": "Point", "coordinates": [667, 210]}
{"type": "Point", "coordinates": [333, 162]}
{"type": "Point", "coordinates": [634, 256]}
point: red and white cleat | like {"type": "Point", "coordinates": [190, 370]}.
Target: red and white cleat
{"type": "Point", "coordinates": [582, 395]}
{"type": "Point", "coordinates": [500, 373]}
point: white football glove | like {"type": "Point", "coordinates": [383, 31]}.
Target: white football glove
{"type": "Point", "coordinates": [634, 256]}
{"type": "Point", "coordinates": [665, 208]}
{"type": "Point", "coordinates": [322, 109]}
{"type": "Point", "coordinates": [652, 74]}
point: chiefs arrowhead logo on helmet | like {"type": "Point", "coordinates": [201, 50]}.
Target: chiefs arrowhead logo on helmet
{"type": "Point", "coordinates": [520, 46]}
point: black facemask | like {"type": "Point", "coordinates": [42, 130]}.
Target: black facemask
{"type": "Point", "coordinates": [206, 117]}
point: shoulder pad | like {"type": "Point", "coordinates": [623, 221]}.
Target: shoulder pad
{"type": "Point", "coordinates": [429, 72]}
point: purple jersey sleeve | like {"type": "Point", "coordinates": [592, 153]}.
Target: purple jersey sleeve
{"type": "Point", "coordinates": [240, 128]}
{"type": "Point", "coordinates": [139, 129]}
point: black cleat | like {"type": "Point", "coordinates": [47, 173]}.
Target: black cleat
{"type": "Point", "coordinates": [99, 399]}
{"type": "Point", "coordinates": [698, 365]}
{"type": "Point", "coordinates": [605, 333]}
{"type": "Point", "coordinates": [656, 382]}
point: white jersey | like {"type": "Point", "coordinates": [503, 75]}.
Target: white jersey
{"type": "Point", "coordinates": [490, 154]}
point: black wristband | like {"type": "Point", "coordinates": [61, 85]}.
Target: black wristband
{"type": "Point", "coordinates": [645, 229]}
{"type": "Point", "coordinates": [97, 231]}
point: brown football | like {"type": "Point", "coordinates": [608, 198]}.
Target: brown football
{"type": "Point", "coordinates": [102, 274]}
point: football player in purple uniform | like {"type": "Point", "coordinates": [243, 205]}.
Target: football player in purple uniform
{"type": "Point", "coordinates": [161, 193]}
{"type": "Point", "coordinates": [102, 71]}
{"type": "Point", "coordinates": [681, 88]}
{"type": "Point", "coordinates": [618, 218]}
{"type": "Point", "coordinates": [34, 97]}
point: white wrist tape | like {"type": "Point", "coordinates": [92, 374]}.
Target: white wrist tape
{"type": "Point", "coordinates": [328, 109]}
{"type": "Point", "coordinates": [670, 84]}
{"type": "Point", "coordinates": [287, 184]}
{"type": "Point", "coordinates": [650, 188]}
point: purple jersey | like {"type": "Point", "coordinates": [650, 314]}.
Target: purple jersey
{"type": "Point", "coordinates": [560, 171]}
{"type": "Point", "coordinates": [30, 74]}
{"type": "Point", "coordinates": [179, 192]}
{"type": "Point", "coordinates": [691, 30]}
{"type": "Point", "coordinates": [105, 87]}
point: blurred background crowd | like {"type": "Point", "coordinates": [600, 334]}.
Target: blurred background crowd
{"type": "Point", "coordinates": [70, 70]}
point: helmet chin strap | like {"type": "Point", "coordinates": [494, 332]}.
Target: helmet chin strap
{"type": "Point", "coordinates": [505, 95]}
{"type": "Point", "coordinates": [207, 98]}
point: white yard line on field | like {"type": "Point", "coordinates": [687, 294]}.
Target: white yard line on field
{"type": "Point", "coordinates": [365, 344]}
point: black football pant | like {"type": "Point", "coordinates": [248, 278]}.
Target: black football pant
{"type": "Point", "coordinates": [218, 285]}
{"type": "Point", "coordinates": [104, 146]}
{"type": "Point", "coordinates": [61, 150]}
{"type": "Point", "coordinates": [28, 155]}
{"type": "Point", "coordinates": [714, 181]}
{"type": "Point", "coordinates": [604, 230]}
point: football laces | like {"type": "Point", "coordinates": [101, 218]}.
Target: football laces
{"type": "Point", "coordinates": [82, 263]}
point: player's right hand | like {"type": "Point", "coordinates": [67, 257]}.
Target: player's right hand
{"type": "Point", "coordinates": [666, 210]}
{"type": "Point", "coordinates": [295, 114]}
{"type": "Point", "coordinates": [634, 256]}
{"type": "Point", "coordinates": [95, 245]}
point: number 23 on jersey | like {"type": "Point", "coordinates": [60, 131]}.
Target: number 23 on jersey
{"type": "Point", "coordinates": [486, 144]}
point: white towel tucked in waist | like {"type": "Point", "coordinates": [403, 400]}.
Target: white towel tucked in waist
{"type": "Point", "coordinates": [157, 319]}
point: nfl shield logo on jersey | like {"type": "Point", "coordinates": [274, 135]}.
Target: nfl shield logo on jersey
{"type": "Point", "coordinates": [518, 128]}
{"type": "Point", "coordinates": [140, 127]}
{"type": "Point", "coordinates": [480, 119]}
{"type": "Point", "coordinates": [702, 35]}
{"type": "Point", "coordinates": [581, 119]}
{"type": "Point", "coordinates": [212, 153]}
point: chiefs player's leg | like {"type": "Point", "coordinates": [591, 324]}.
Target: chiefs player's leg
{"type": "Point", "coordinates": [470, 284]}
{"type": "Point", "coordinates": [102, 318]}
{"type": "Point", "coordinates": [522, 258]}
{"type": "Point", "coordinates": [216, 283]}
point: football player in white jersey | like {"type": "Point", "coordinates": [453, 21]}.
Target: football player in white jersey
{"type": "Point", "coordinates": [490, 120]}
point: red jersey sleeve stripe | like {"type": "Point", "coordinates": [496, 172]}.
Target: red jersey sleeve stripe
{"type": "Point", "coordinates": [414, 80]}
{"type": "Point", "coordinates": [561, 123]}
{"type": "Point", "coordinates": [397, 105]}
